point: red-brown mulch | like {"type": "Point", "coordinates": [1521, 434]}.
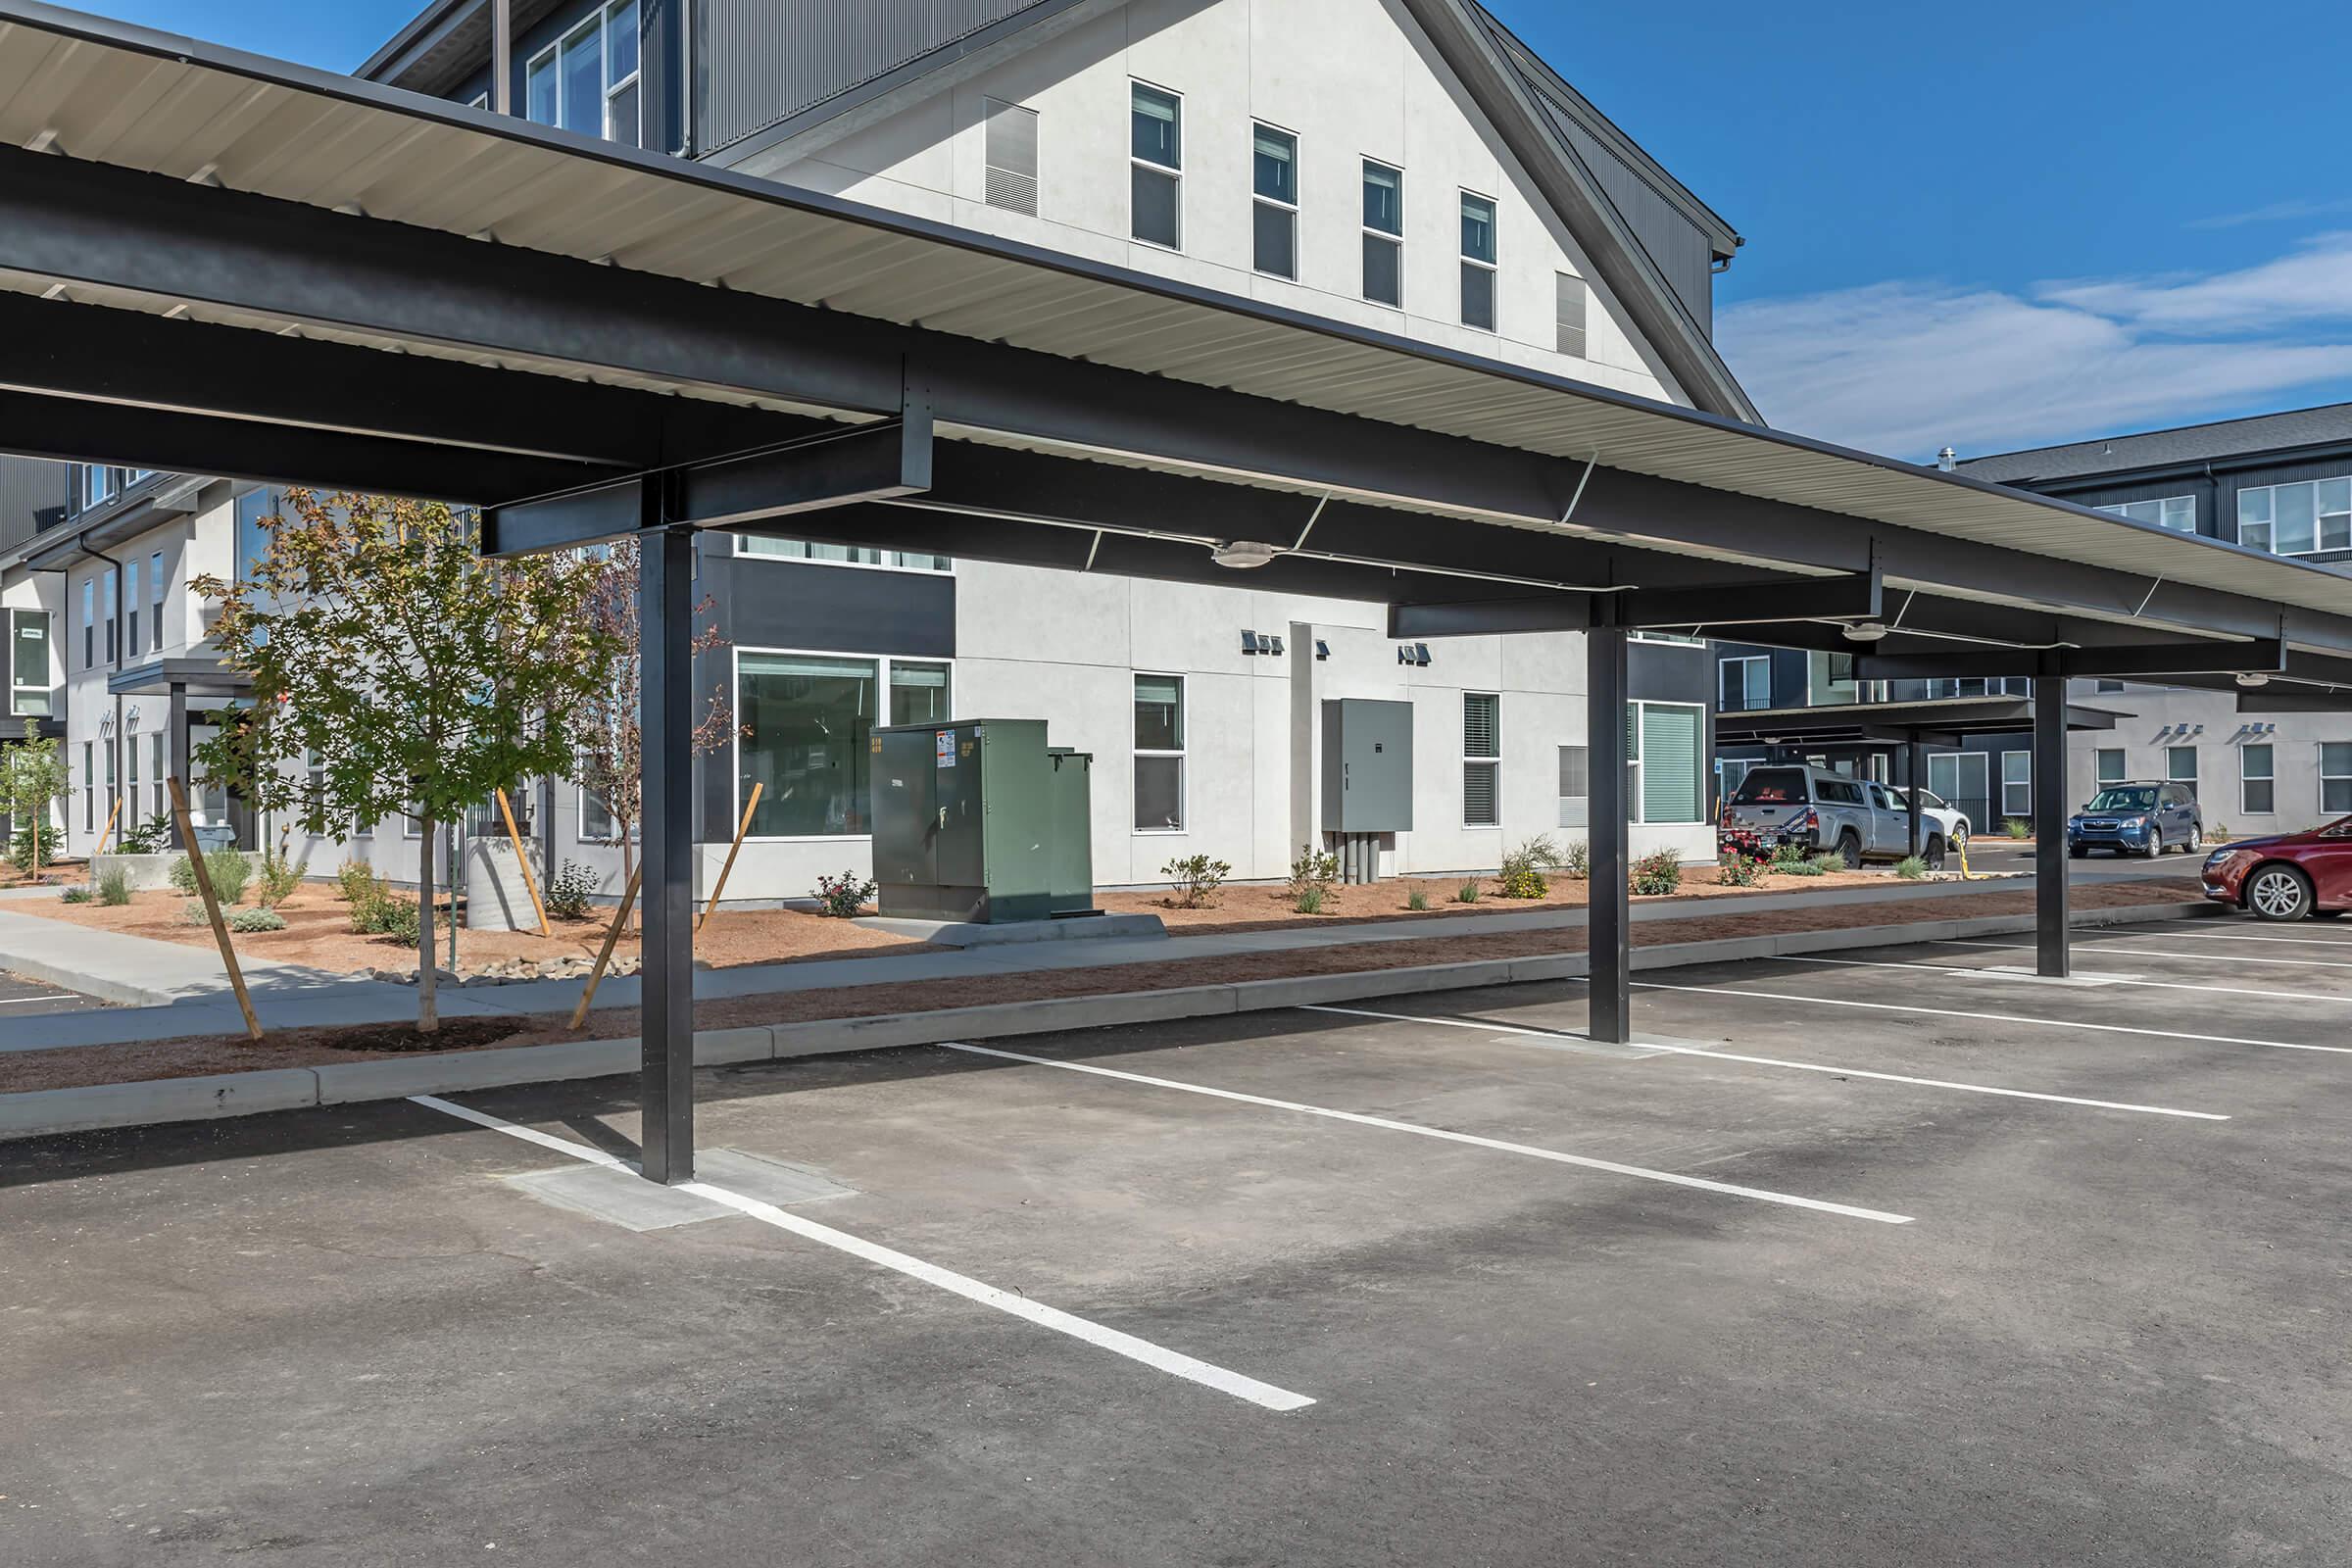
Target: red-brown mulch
{"type": "Point", "coordinates": [195, 1056]}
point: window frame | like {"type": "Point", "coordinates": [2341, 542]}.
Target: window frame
{"type": "Point", "coordinates": [1492, 762]}
{"type": "Point", "coordinates": [1393, 238]}
{"type": "Point", "coordinates": [158, 591]}
{"type": "Point", "coordinates": [1492, 265]}
{"type": "Point", "coordinates": [745, 541]}
{"type": "Point", "coordinates": [2268, 779]}
{"type": "Point", "coordinates": [1637, 760]}
{"type": "Point", "coordinates": [607, 87]}
{"type": "Point", "coordinates": [734, 753]}
{"type": "Point", "coordinates": [47, 690]}
{"type": "Point", "coordinates": [2344, 778]}
{"type": "Point", "coordinates": [1259, 199]}
{"type": "Point", "coordinates": [131, 608]}
{"type": "Point", "coordinates": [2269, 523]}
{"type": "Point", "coordinates": [2172, 766]}
{"type": "Point", "coordinates": [1136, 163]}
{"type": "Point", "coordinates": [2026, 784]}
{"type": "Point", "coordinates": [1136, 752]}
{"type": "Point", "coordinates": [2098, 766]}
{"type": "Point", "coordinates": [2162, 505]}
{"type": "Point", "coordinates": [1743, 660]}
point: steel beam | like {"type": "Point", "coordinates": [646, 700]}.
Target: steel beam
{"type": "Point", "coordinates": [865, 463]}
{"type": "Point", "coordinates": [1915, 776]}
{"type": "Point", "coordinates": [2052, 950]}
{"type": "Point", "coordinates": [1609, 927]}
{"type": "Point", "coordinates": [1681, 607]}
{"type": "Point", "coordinates": [2202, 657]}
{"type": "Point", "coordinates": [665, 718]}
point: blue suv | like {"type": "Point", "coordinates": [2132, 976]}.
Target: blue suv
{"type": "Point", "coordinates": [2138, 819]}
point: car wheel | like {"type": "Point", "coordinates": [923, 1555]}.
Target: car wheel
{"type": "Point", "coordinates": [1849, 850]}
{"type": "Point", "coordinates": [2078, 851]}
{"type": "Point", "coordinates": [2196, 839]}
{"type": "Point", "coordinates": [2155, 842]}
{"type": "Point", "coordinates": [1934, 853]}
{"type": "Point", "coordinates": [2279, 892]}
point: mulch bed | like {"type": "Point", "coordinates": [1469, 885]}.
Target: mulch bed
{"type": "Point", "coordinates": [196, 1055]}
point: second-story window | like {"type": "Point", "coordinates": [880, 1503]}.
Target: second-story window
{"type": "Point", "coordinates": [1478, 262]}
{"type": "Point", "coordinates": [131, 608]}
{"type": "Point", "coordinates": [28, 664]}
{"type": "Point", "coordinates": [1156, 163]}
{"type": "Point", "coordinates": [1274, 212]}
{"type": "Point", "coordinates": [587, 80]}
{"type": "Point", "coordinates": [1384, 234]}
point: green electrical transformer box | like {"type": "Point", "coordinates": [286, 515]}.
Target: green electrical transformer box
{"type": "Point", "coordinates": [980, 820]}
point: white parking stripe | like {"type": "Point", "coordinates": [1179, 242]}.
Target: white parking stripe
{"type": "Point", "coordinates": [2244, 936]}
{"type": "Point", "coordinates": [1996, 1018]}
{"type": "Point", "coordinates": [2105, 979]}
{"type": "Point", "coordinates": [1775, 1062]}
{"type": "Point", "coordinates": [2144, 953]}
{"type": "Point", "coordinates": [1761, 1195]}
{"type": "Point", "coordinates": [1020, 1306]}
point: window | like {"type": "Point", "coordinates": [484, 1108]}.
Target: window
{"type": "Point", "coordinates": [2176, 513]}
{"type": "Point", "coordinates": [2017, 784]}
{"type": "Point", "coordinates": [2181, 765]}
{"type": "Point", "coordinates": [107, 603]}
{"type": "Point", "coordinates": [130, 773]}
{"type": "Point", "coordinates": [28, 691]}
{"type": "Point", "coordinates": [1663, 742]}
{"type": "Point", "coordinates": [2296, 519]}
{"type": "Point", "coordinates": [131, 608]}
{"type": "Point", "coordinates": [89, 788]}
{"type": "Point", "coordinates": [918, 692]}
{"type": "Point", "coordinates": [1673, 639]}
{"type": "Point", "coordinates": [1156, 165]}
{"type": "Point", "coordinates": [1576, 785]}
{"type": "Point", "coordinates": [158, 772]}
{"type": "Point", "coordinates": [1746, 684]}
{"type": "Point", "coordinates": [1159, 753]}
{"type": "Point", "coordinates": [2336, 776]}
{"type": "Point", "coordinates": [1274, 213]}
{"type": "Point", "coordinates": [1730, 773]}
{"type": "Point", "coordinates": [1478, 262]}
{"type": "Point", "coordinates": [806, 719]}
{"type": "Point", "coordinates": [1384, 234]}
{"type": "Point", "coordinates": [253, 538]}
{"type": "Point", "coordinates": [842, 554]}
{"type": "Point", "coordinates": [1829, 679]}
{"type": "Point", "coordinates": [89, 623]}
{"type": "Point", "coordinates": [2256, 788]}
{"type": "Point", "coordinates": [1009, 177]}
{"type": "Point", "coordinates": [1960, 778]}
{"type": "Point", "coordinates": [1570, 301]}
{"type": "Point", "coordinates": [2109, 765]}
{"type": "Point", "coordinates": [588, 81]}
{"type": "Point", "coordinates": [98, 484]}
{"type": "Point", "coordinates": [1482, 759]}
{"type": "Point", "coordinates": [106, 755]}
{"type": "Point", "coordinates": [154, 587]}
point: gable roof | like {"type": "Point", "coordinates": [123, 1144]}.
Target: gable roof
{"type": "Point", "coordinates": [1651, 241]}
{"type": "Point", "coordinates": [2152, 449]}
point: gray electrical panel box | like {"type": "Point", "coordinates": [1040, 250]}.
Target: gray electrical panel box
{"type": "Point", "coordinates": [980, 820]}
{"type": "Point", "coordinates": [1367, 765]}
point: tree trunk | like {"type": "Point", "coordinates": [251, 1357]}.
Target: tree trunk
{"type": "Point", "coordinates": [428, 1010]}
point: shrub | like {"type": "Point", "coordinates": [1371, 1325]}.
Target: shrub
{"type": "Point", "coordinates": [1575, 861]}
{"type": "Point", "coordinates": [232, 873]}
{"type": "Point", "coordinates": [356, 882]}
{"type": "Point", "coordinates": [114, 886]}
{"type": "Point", "coordinates": [2017, 828]}
{"type": "Point", "coordinates": [1524, 867]}
{"type": "Point", "coordinates": [2216, 833]}
{"type": "Point", "coordinates": [251, 920]}
{"type": "Point", "coordinates": [19, 847]}
{"type": "Point", "coordinates": [1658, 872]}
{"type": "Point", "coordinates": [1196, 878]}
{"type": "Point", "coordinates": [1826, 862]}
{"type": "Point", "coordinates": [1911, 868]}
{"type": "Point", "coordinates": [842, 897]}
{"type": "Point", "coordinates": [77, 894]}
{"type": "Point", "coordinates": [191, 913]}
{"type": "Point", "coordinates": [1417, 900]}
{"type": "Point", "coordinates": [1311, 877]}
{"type": "Point", "coordinates": [1807, 865]}
{"type": "Point", "coordinates": [572, 892]}
{"type": "Point", "coordinates": [183, 875]}
{"type": "Point", "coordinates": [150, 837]}
{"type": "Point", "coordinates": [1468, 892]}
{"type": "Point", "coordinates": [1738, 871]}
{"type": "Point", "coordinates": [1788, 854]}
{"type": "Point", "coordinates": [393, 916]}
{"type": "Point", "coordinates": [279, 878]}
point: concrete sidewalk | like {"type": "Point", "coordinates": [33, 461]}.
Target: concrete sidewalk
{"type": "Point", "coordinates": [198, 1000]}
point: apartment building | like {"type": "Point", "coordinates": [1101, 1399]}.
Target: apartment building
{"type": "Point", "coordinates": [1405, 164]}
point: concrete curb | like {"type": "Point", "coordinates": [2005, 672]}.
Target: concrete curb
{"type": "Point", "coordinates": [122, 992]}
{"type": "Point", "coordinates": [167, 1099]}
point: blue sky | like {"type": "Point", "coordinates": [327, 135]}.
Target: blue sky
{"type": "Point", "coordinates": [1997, 226]}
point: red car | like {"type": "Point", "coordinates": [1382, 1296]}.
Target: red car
{"type": "Point", "coordinates": [2287, 877]}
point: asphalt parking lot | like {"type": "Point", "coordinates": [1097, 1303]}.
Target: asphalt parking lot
{"type": "Point", "coordinates": [21, 998]}
{"type": "Point", "coordinates": [1956, 1267]}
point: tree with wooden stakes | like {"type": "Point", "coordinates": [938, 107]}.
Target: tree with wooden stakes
{"type": "Point", "coordinates": [607, 736]}
{"type": "Point", "coordinates": [33, 778]}
{"type": "Point", "coordinates": [397, 673]}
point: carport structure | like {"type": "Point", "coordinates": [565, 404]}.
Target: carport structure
{"type": "Point", "coordinates": [220, 264]}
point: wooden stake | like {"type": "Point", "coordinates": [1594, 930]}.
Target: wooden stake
{"type": "Point", "coordinates": [733, 849]}
{"type": "Point", "coordinates": [620, 919]}
{"type": "Point", "coordinates": [111, 818]}
{"type": "Point", "coordinates": [529, 882]}
{"type": "Point", "coordinates": [212, 907]}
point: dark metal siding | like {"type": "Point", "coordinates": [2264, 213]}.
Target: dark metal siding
{"type": "Point", "coordinates": [32, 495]}
{"type": "Point", "coordinates": [2216, 493]}
{"type": "Point", "coordinates": [1681, 249]}
{"type": "Point", "coordinates": [763, 61]}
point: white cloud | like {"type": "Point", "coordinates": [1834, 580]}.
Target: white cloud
{"type": "Point", "coordinates": [1905, 368]}
{"type": "Point", "coordinates": [2276, 212]}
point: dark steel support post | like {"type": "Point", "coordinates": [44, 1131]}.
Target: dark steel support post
{"type": "Point", "coordinates": [1608, 929]}
{"type": "Point", "coordinates": [1915, 779]}
{"type": "Point", "coordinates": [666, 716]}
{"type": "Point", "coordinates": [175, 726]}
{"type": "Point", "coordinates": [2052, 957]}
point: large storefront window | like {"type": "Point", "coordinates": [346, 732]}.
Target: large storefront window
{"type": "Point", "coordinates": [806, 719]}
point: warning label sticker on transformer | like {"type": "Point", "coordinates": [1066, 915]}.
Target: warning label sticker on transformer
{"type": "Point", "coordinates": [943, 741]}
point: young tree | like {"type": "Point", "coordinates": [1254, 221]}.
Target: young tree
{"type": "Point", "coordinates": [608, 741]}
{"type": "Point", "coordinates": [34, 777]}
{"type": "Point", "coordinates": [420, 676]}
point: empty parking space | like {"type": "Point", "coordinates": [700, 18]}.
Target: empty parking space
{"type": "Point", "coordinates": [1425, 1279]}
{"type": "Point", "coordinates": [21, 998]}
